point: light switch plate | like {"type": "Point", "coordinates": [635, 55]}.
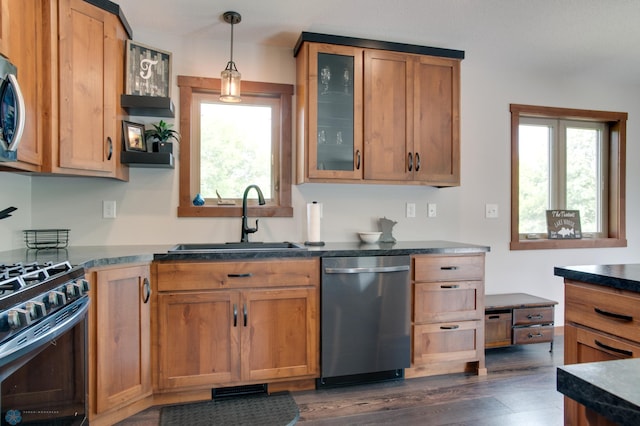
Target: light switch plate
{"type": "Point", "coordinates": [491, 211]}
{"type": "Point", "coordinates": [432, 210]}
{"type": "Point", "coordinates": [108, 209]}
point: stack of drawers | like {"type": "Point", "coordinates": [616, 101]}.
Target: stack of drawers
{"type": "Point", "coordinates": [447, 320]}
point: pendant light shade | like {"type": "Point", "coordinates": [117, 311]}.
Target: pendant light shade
{"type": "Point", "coordinates": [230, 77]}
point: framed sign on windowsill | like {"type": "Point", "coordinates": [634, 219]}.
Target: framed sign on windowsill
{"type": "Point", "coordinates": [148, 71]}
{"type": "Point", "coordinates": [564, 225]}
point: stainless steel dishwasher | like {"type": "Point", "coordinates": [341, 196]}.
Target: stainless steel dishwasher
{"type": "Point", "coordinates": [365, 317]}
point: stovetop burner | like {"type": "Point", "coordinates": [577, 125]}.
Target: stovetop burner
{"type": "Point", "coordinates": [20, 275]}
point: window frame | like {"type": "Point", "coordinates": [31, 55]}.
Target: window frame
{"type": "Point", "coordinates": [282, 207]}
{"type": "Point", "coordinates": [616, 203]}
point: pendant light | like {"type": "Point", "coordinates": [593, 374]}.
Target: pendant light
{"type": "Point", "coordinates": [230, 77]}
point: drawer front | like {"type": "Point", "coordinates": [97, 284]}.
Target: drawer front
{"type": "Point", "coordinates": [448, 268]}
{"type": "Point", "coordinates": [497, 329]}
{"type": "Point", "coordinates": [527, 316]}
{"type": "Point", "coordinates": [535, 334]}
{"type": "Point", "coordinates": [177, 276]}
{"type": "Point", "coordinates": [455, 341]}
{"type": "Point", "coordinates": [447, 301]}
{"type": "Point", "coordinates": [605, 309]}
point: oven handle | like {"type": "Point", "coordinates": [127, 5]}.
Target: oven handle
{"type": "Point", "coordinates": [12, 351]}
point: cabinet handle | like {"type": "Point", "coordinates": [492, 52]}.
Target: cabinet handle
{"type": "Point", "coordinates": [449, 268]}
{"type": "Point", "coordinates": [450, 286]}
{"type": "Point", "coordinates": [417, 162]}
{"type": "Point", "coordinates": [358, 159]}
{"type": "Point", "coordinates": [531, 336]}
{"type": "Point", "coordinates": [245, 275]}
{"type": "Point", "coordinates": [146, 286]}
{"type": "Point", "coordinates": [537, 316]}
{"type": "Point", "coordinates": [410, 161]}
{"type": "Point", "coordinates": [449, 327]}
{"type": "Point", "coordinates": [244, 313]}
{"type": "Point", "coordinates": [494, 316]}
{"type": "Point", "coordinates": [109, 148]}
{"type": "Point", "coordinates": [614, 315]}
{"type": "Point", "coordinates": [612, 349]}
{"type": "Point", "coordinates": [235, 315]}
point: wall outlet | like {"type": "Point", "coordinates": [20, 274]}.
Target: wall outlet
{"type": "Point", "coordinates": [491, 211]}
{"type": "Point", "coordinates": [411, 209]}
{"type": "Point", "coordinates": [108, 209]}
{"type": "Point", "coordinates": [432, 210]}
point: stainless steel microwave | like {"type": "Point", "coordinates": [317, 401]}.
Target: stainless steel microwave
{"type": "Point", "coordinates": [12, 111]}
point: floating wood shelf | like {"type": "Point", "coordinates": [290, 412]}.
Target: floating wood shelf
{"type": "Point", "coordinates": [147, 159]}
{"type": "Point", "coordinates": [148, 106]}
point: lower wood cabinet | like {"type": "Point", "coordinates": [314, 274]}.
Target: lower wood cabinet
{"type": "Point", "coordinates": [601, 324]}
{"type": "Point", "coordinates": [448, 314]}
{"type": "Point", "coordinates": [119, 339]}
{"type": "Point", "coordinates": [225, 324]}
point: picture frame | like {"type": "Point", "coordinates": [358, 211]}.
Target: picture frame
{"type": "Point", "coordinates": [133, 136]}
{"type": "Point", "coordinates": [564, 225]}
{"type": "Point", "coordinates": [148, 71]}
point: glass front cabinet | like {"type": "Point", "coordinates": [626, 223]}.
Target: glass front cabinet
{"type": "Point", "coordinates": [376, 112]}
{"type": "Point", "coordinates": [334, 120]}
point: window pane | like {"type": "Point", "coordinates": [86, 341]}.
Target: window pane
{"type": "Point", "coordinates": [582, 175]}
{"type": "Point", "coordinates": [235, 149]}
{"type": "Point", "coordinates": [534, 145]}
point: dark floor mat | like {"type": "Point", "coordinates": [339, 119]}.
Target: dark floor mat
{"type": "Point", "coordinates": [277, 410]}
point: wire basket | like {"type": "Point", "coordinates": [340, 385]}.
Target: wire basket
{"type": "Point", "coordinates": [46, 238]}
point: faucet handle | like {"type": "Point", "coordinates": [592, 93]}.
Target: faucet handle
{"type": "Point", "coordinates": [253, 230]}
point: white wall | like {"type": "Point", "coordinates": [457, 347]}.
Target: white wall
{"type": "Point", "coordinates": [146, 206]}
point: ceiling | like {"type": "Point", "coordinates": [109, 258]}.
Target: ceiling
{"type": "Point", "coordinates": [561, 37]}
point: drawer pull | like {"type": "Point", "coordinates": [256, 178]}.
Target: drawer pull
{"type": "Point", "coordinates": [244, 313]}
{"type": "Point", "coordinates": [235, 315]}
{"type": "Point", "coordinates": [494, 316]}
{"type": "Point", "coordinates": [449, 268]}
{"type": "Point", "coordinates": [450, 286]}
{"type": "Point", "coordinates": [614, 315]}
{"type": "Point", "coordinates": [612, 349]}
{"type": "Point", "coordinates": [449, 327]}
{"type": "Point", "coordinates": [537, 316]}
{"type": "Point", "coordinates": [531, 336]}
{"type": "Point", "coordinates": [248, 274]}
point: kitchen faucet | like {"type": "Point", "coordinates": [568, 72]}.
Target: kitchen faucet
{"type": "Point", "coordinates": [245, 228]}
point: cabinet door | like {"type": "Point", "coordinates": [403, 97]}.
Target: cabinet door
{"type": "Point", "coordinates": [388, 119]}
{"type": "Point", "coordinates": [21, 43]}
{"type": "Point", "coordinates": [585, 345]}
{"type": "Point", "coordinates": [437, 121]}
{"type": "Point", "coordinates": [87, 80]}
{"type": "Point", "coordinates": [123, 371]}
{"type": "Point", "coordinates": [199, 339]}
{"type": "Point", "coordinates": [280, 335]}
{"type": "Point", "coordinates": [334, 137]}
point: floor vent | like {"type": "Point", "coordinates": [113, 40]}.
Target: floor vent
{"type": "Point", "coordinates": [231, 391]}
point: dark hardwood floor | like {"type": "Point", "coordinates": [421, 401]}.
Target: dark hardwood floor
{"type": "Point", "coordinates": [520, 389]}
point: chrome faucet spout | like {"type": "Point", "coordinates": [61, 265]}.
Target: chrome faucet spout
{"type": "Point", "coordinates": [246, 230]}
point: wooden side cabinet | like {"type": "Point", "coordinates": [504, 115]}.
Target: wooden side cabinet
{"type": "Point", "coordinates": [119, 340]}
{"type": "Point", "coordinates": [518, 319]}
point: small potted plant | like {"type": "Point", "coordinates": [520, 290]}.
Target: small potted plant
{"type": "Point", "coordinates": [161, 135]}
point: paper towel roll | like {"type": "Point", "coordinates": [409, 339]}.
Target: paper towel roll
{"type": "Point", "coordinates": [313, 222]}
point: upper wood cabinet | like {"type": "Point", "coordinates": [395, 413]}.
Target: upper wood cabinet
{"type": "Point", "coordinates": [377, 112]}
{"type": "Point", "coordinates": [70, 59]}
{"type": "Point", "coordinates": [21, 31]}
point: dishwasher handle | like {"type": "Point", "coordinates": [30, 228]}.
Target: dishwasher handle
{"type": "Point", "coordinates": [362, 270]}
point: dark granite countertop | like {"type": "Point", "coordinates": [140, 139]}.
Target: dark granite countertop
{"type": "Point", "coordinates": [622, 277]}
{"type": "Point", "coordinates": [95, 256]}
{"type": "Point", "coordinates": [609, 388]}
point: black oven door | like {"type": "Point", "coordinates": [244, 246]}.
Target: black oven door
{"type": "Point", "coordinates": [43, 382]}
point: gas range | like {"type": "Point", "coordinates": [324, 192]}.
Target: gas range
{"type": "Point", "coordinates": [30, 292]}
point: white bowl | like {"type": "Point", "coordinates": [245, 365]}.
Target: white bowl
{"type": "Point", "coordinates": [369, 237]}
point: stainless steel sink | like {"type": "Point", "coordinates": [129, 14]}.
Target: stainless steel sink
{"type": "Point", "coordinates": [235, 247]}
